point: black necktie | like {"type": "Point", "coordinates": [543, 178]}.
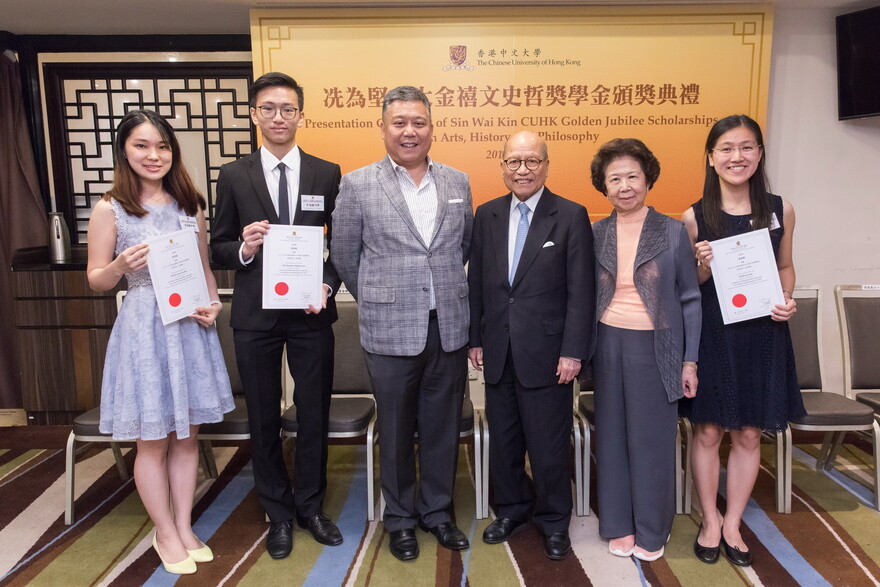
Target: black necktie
{"type": "Point", "coordinates": [283, 199]}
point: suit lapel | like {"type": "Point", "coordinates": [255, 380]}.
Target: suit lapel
{"type": "Point", "coordinates": [258, 181]}
{"type": "Point", "coordinates": [499, 226]}
{"type": "Point", "coordinates": [306, 181]}
{"type": "Point", "coordinates": [388, 182]}
{"type": "Point", "coordinates": [442, 200]}
{"type": "Point", "coordinates": [542, 223]}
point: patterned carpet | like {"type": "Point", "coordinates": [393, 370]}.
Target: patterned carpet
{"type": "Point", "coordinates": [832, 536]}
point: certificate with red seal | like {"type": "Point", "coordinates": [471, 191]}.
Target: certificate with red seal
{"type": "Point", "coordinates": [746, 276]}
{"type": "Point", "coordinates": [293, 266]}
{"type": "Point", "coordinates": [177, 274]}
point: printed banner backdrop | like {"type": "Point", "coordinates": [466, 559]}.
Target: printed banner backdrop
{"type": "Point", "coordinates": [577, 76]}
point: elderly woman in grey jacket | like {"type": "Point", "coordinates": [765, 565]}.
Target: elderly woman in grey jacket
{"type": "Point", "coordinates": [648, 334]}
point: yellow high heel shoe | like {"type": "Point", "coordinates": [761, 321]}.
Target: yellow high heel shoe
{"type": "Point", "coordinates": [185, 567]}
{"type": "Point", "coordinates": [202, 555]}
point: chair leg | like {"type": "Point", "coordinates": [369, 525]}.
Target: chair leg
{"type": "Point", "coordinates": [786, 467]}
{"type": "Point", "coordinates": [588, 464]}
{"type": "Point", "coordinates": [478, 465]}
{"type": "Point", "coordinates": [679, 490]}
{"type": "Point", "coordinates": [485, 467]}
{"type": "Point", "coordinates": [578, 466]}
{"type": "Point", "coordinates": [781, 472]}
{"type": "Point", "coordinates": [876, 439]}
{"type": "Point", "coordinates": [688, 478]}
{"type": "Point", "coordinates": [207, 460]}
{"type": "Point", "coordinates": [120, 462]}
{"type": "Point", "coordinates": [835, 448]}
{"type": "Point", "coordinates": [371, 471]}
{"type": "Point", "coordinates": [69, 464]}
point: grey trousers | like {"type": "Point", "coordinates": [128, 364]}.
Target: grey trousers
{"type": "Point", "coordinates": [635, 439]}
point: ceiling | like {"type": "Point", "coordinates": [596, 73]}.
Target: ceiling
{"type": "Point", "coordinates": [124, 17]}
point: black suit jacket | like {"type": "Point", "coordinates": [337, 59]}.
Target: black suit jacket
{"type": "Point", "coordinates": [243, 198]}
{"type": "Point", "coordinates": [548, 310]}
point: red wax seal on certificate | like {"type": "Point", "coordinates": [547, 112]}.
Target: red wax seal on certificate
{"type": "Point", "coordinates": [174, 300]}
{"type": "Point", "coordinates": [281, 288]}
{"type": "Point", "coordinates": [739, 300]}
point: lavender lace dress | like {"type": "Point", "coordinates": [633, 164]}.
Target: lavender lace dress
{"type": "Point", "coordinates": [158, 379]}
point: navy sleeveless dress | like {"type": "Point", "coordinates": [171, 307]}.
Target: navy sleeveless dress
{"type": "Point", "coordinates": [747, 369]}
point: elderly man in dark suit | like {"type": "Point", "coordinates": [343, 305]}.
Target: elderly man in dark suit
{"type": "Point", "coordinates": [280, 184]}
{"type": "Point", "coordinates": [402, 229]}
{"type": "Point", "coordinates": [532, 298]}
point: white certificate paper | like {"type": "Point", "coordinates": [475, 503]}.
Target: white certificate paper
{"type": "Point", "coordinates": [177, 274]}
{"type": "Point", "coordinates": [293, 266]}
{"type": "Point", "coordinates": [746, 276]}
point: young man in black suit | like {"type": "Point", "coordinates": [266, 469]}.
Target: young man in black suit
{"type": "Point", "coordinates": [280, 184]}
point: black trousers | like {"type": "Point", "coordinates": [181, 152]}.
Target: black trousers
{"type": "Point", "coordinates": [536, 420]}
{"type": "Point", "coordinates": [423, 393]}
{"type": "Point", "coordinates": [310, 360]}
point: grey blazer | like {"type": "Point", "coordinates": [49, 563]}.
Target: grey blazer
{"type": "Point", "coordinates": [385, 264]}
{"type": "Point", "coordinates": [665, 276]}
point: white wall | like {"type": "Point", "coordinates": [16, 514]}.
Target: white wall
{"type": "Point", "coordinates": [828, 169]}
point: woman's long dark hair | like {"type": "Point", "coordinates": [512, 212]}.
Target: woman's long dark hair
{"type": "Point", "coordinates": [126, 183]}
{"type": "Point", "coordinates": [759, 186]}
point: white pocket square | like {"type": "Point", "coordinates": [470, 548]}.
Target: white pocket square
{"type": "Point", "coordinates": [456, 201]}
{"type": "Point", "coordinates": [548, 244]}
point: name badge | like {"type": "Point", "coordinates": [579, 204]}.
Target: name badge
{"type": "Point", "coordinates": [774, 221]}
{"type": "Point", "coordinates": [189, 222]}
{"type": "Point", "coordinates": [312, 203]}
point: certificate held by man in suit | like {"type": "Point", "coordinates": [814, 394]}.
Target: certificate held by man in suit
{"type": "Point", "coordinates": [293, 262]}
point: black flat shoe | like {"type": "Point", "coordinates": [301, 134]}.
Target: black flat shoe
{"type": "Point", "coordinates": [501, 530]}
{"type": "Point", "coordinates": [557, 546]}
{"type": "Point", "coordinates": [404, 545]}
{"type": "Point", "coordinates": [707, 554]}
{"type": "Point", "coordinates": [279, 541]}
{"type": "Point", "coordinates": [448, 536]}
{"type": "Point", "coordinates": [322, 528]}
{"type": "Point", "coordinates": [735, 555]}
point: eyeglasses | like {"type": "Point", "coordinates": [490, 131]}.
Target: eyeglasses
{"type": "Point", "coordinates": [531, 164]}
{"type": "Point", "coordinates": [744, 150]}
{"type": "Point", "coordinates": [287, 112]}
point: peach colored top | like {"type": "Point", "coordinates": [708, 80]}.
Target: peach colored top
{"type": "Point", "coordinates": [626, 309]}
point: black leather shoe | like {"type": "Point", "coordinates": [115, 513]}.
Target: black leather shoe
{"type": "Point", "coordinates": [735, 555]}
{"type": "Point", "coordinates": [448, 536]}
{"type": "Point", "coordinates": [404, 545]}
{"type": "Point", "coordinates": [322, 528]}
{"type": "Point", "coordinates": [501, 530]}
{"type": "Point", "coordinates": [279, 541]}
{"type": "Point", "coordinates": [707, 554]}
{"type": "Point", "coordinates": [557, 546]}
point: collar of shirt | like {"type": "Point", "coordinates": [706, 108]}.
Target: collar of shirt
{"type": "Point", "coordinates": [532, 203]}
{"type": "Point", "coordinates": [270, 161]}
{"type": "Point", "coordinates": [400, 171]}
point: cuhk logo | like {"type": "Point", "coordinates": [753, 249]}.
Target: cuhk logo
{"type": "Point", "coordinates": [457, 58]}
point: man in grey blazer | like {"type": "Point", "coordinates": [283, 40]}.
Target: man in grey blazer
{"type": "Point", "coordinates": [402, 229]}
{"type": "Point", "coordinates": [531, 298]}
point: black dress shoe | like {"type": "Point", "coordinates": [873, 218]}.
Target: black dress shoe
{"type": "Point", "coordinates": [322, 528]}
{"type": "Point", "coordinates": [735, 555]}
{"type": "Point", "coordinates": [707, 554]}
{"type": "Point", "coordinates": [404, 545]}
{"type": "Point", "coordinates": [448, 536]}
{"type": "Point", "coordinates": [557, 546]}
{"type": "Point", "coordinates": [279, 541]}
{"type": "Point", "coordinates": [501, 530]}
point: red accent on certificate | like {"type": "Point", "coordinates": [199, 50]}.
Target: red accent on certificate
{"type": "Point", "coordinates": [293, 266]}
{"type": "Point", "coordinates": [746, 276]}
{"type": "Point", "coordinates": [177, 274]}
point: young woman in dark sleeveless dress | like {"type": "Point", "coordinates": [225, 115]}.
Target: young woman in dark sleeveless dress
{"type": "Point", "coordinates": [747, 372]}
